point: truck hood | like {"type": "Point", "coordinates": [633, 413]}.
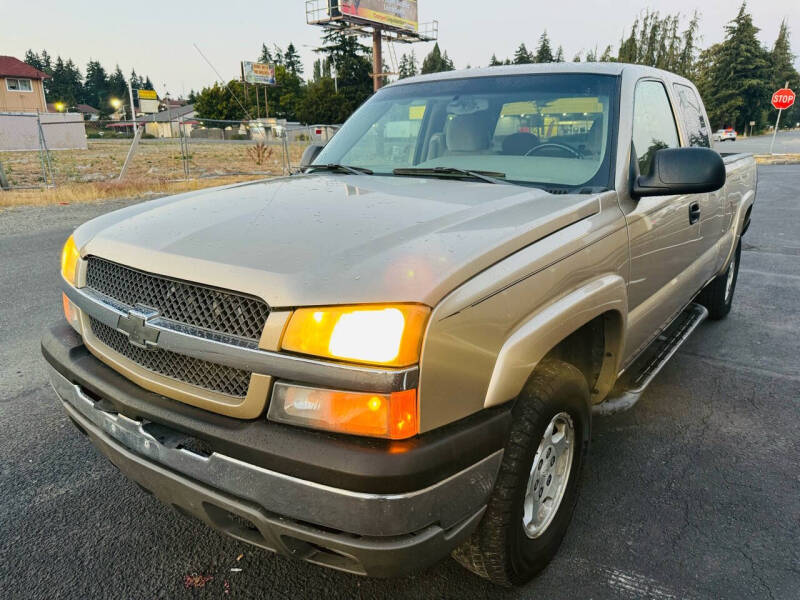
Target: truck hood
{"type": "Point", "coordinates": [333, 239]}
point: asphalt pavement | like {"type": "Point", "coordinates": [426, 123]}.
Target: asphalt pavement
{"type": "Point", "coordinates": [695, 493]}
{"type": "Point", "coordinates": [786, 142]}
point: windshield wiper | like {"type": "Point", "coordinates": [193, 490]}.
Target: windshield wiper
{"type": "Point", "coordinates": [346, 168]}
{"type": "Point", "coordinates": [487, 176]}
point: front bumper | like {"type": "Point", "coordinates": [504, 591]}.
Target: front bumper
{"type": "Point", "coordinates": [378, 534]}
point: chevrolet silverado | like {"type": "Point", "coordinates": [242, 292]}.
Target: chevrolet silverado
{"type": "Point", "coordinates": [395, 355]}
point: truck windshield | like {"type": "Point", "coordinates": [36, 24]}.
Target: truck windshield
{"type": "Point", "coordinates": [550, 130]}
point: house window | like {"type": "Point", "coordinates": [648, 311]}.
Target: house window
{"type": "Point", "coordinates": [19, 85]}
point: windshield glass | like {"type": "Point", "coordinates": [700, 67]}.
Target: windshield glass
{"type": "Point", "coordinates": [550, 129]}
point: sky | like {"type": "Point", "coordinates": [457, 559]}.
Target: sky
{"type": "Point", "coordinates": [157, 37]}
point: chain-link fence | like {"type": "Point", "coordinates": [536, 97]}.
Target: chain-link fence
{"type": "Point", "coordinates": [159, 148]}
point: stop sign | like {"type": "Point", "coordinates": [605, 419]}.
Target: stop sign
{"type": "Point", "coordinates": [783, 98]}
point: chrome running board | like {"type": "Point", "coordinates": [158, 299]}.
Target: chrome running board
{"type": "Point", "coordinates": [643, 370]}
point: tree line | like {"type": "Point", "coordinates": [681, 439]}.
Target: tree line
{"type": "Point", "coordinates": [735, 77]}
{"type": "Point", "coordinates": [69, 86]}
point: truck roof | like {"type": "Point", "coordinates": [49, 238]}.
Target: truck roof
{"type": "Point", "coordinates": [529, 69]}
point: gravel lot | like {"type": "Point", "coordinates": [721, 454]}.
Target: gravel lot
{"type": "Point", "coordinates": [695, 493]}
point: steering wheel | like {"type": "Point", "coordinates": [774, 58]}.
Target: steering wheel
{"type": "Point", "coordinates": [569, 149]}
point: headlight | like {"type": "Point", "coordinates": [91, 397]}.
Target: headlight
{"type": "Point", "coordinates": [378, 334]}
{"type": "Point", "coordinates": [69, 260]}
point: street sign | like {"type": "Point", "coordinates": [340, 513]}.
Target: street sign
{"type": "Point", "coordinates": [783, 98]}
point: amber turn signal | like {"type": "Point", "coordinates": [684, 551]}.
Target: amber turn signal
{"type": "Point", "coordinates": [69, 260]}
{"type": "Point", "coordinates": [392, 416]}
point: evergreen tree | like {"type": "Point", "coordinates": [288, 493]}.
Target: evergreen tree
{"type": "Point", "coordinates": [266, 55]}
{"type": "Point", "coordinates": [436, 61]}
{"type": "Point", "coordinates": [559, 54]}
{"type": "Point", "coordinates": [736, 74]}
{"type": "Point", "coordinates": [493, 62]}
{"type": "Point", "coordinates": [656, 41]}
{"type": "Point", "coordinates": [607, 55]}
{"type": "Point", "coordinates": [353, 65]}
{"type": "Point", "coordinates": [66, 84]}
{"type": "Point", "coordinates": [148, 85]}
{"type": "Point", "coordinates": [33, 60]}
{"type": "Point", "coordinates": [577, 57]}
{"type": "Point", "coordinates": [781, 61]}
{"type": "Point", "coordinates": [291, 60]}
{"type": "Point", "coordinates": [117, 86]}
{"type": "Point", "coordinates": [544, 53]}
{"type": "Point", "coordinates": [591, 55]}
{"type": "Point", "coordinates": [407, 66]}
{"type": "Point", "coordinates": [686, 59]}
{"type": "Point", "coordinates": [277, 55]}
{"type": "Point", "coordinates": [522, 56]}
{"type": "Point", "coordinates": [96, 86]}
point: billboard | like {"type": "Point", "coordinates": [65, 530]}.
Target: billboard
{"type": "Point", "coordinates": [253, 72]}
{"type": "Point", "coordinates": [401, 14]}
{"type": "Point", "coordinates": [148, 101]}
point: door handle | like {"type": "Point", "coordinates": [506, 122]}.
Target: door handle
{"type": "Point", "coordinates": [694, 212]}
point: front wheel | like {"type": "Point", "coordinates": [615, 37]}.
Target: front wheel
{"type": "Point", "coordinates": [537, 486]}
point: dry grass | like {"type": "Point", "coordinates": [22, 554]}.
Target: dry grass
{"type": "Point", "coordinates": [77, 193]}
{"type": "Point", "coordinates": [90, 175]}
{"type": "Point", "coordinates": [154, 159]}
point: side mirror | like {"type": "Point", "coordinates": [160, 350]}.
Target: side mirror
{"type": "Point", "coordinates": [310, 154]}
{"type": "Point", "coordinates": [681, 171]}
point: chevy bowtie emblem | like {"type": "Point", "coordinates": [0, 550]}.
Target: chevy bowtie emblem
{"type": "Point", "coordinates": [134, 325]}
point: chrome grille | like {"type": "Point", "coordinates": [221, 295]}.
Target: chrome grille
{"type": "Point", "coordinates": [200, 373]}
{"type": "Point", "coordinates": [198, 305]}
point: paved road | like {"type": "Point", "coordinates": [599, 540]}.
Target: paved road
{"type": "Point", "coordinates": [786, 142]}
{"type": "Point", "coordinates": [693, 494]}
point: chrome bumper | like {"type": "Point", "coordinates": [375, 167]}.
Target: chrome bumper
{"type": "Point", "coordinates": [444, 505]}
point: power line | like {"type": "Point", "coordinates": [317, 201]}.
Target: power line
{"type": "Point", "coordinates": [219, 77]}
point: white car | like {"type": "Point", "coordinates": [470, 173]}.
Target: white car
{"type": "Point", "coordinates": [724, 134]}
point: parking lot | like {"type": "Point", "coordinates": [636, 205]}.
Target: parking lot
{"type": "Point", "coordinates": [695, 493]}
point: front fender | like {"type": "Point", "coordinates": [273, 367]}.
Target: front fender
{"type": "Point", "coordinates": [544, 329]}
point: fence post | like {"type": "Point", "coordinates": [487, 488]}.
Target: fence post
{"type": "Point", "coordinates": [3, 181]}
{"type": "Point", "coordinates": [184, 149]}
{"type": "Point", "coordinates": [44, 153]}
{"type": "Point", "coordinates": [131, 150]}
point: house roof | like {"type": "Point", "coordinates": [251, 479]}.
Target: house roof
{"type": "Point", "coordinates": [166, 115]}
{"type": "Point", "coordinates": [13, 67]}
{"type": "Point", "coordinates": [86, 109]}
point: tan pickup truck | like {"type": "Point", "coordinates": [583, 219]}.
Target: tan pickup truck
{"type": "Point", "coordinates": [396, 354]}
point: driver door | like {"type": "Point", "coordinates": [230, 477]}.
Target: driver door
{"type": "Point", "coordinates": [663, 230]}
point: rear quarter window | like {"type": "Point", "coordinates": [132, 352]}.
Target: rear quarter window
{"type": "Point", "coordinates": [691, 113]}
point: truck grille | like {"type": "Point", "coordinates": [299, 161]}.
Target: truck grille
{"type": "Point", "coordinates": [183, 303]}
{"type": "Point", "coordinates": [207, 375]}
{"type": "Point", "coordinates": [197, 305]}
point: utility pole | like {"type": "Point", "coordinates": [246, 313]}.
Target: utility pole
{"type": "Point", "coordinates": [377, 60]}
{"type": "Point", "coordinates": [133, 111]}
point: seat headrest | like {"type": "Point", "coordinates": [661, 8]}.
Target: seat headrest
{"type": "Point", "coordinates": [467, 133]}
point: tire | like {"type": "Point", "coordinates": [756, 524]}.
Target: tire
{"type": "Point", "coordinates": [717, 297]}
{"type": "Point", "coordinates": [501, 549]}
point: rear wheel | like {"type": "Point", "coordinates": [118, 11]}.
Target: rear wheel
{"type": "Point", "coordinates": [537, 487]}
{"type": "Point", "coordinates": [717, 296]}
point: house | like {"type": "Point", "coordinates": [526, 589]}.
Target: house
{"type": "Point", "coordinates": [21, 87]}
{"type": "Point", "coordinates": [90, 113]}
{"type": "Point", "coordinates": [164, 124]}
